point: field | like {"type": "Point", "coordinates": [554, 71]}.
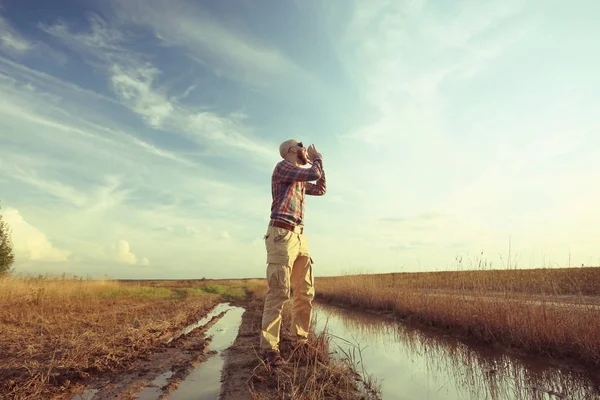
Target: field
{"type": "Point", "coordinates": [60, 334]}
{"type": "Point", "coordinates": [54, 331]}
{"type": "Point", "coordinates": [545, 312]}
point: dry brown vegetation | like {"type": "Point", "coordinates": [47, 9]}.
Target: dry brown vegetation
{"type": "Point", "coordinates": [549, 312]}
{"type": "Point", "coordinates": [57, 334]}
{"type": "Point", "coordinates": [539, 281]}
{"type": "Point", "coordinates": [479, 370]}
{"type": "Point", "coordinates": [54, 331]}
{"type": "Point", "coordinates": [316, 375]}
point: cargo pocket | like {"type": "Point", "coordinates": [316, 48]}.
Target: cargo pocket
{"type": "Point", "coordinates": [282, 236]}
{"type": "Point", "coordinates": [308, 277]}
{"type": "Point", "coordinates": [279, 281]}
{"type": "Point", "coordinates": [277, 243]}
{"type": "Point", "coordinates": [277, 277]}
{"type": "Point", "coordinates": [266, 241]}
{"type": "Point", "coordinates": [279, 259]}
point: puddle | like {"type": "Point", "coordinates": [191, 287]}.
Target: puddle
{"type": "Point", "coordinates": [410, 363]}
{"type": "Point", "coordinates": [87, 394]}
{"type": "Point", "coordinates": [153, 390]}
{"type": "Point", "coordinates": [204, 383]}
{"type": "Point", "coordinates": [203, 321]}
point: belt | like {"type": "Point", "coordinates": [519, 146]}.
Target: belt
{"type": "Point", "coordinates": [293, 228]}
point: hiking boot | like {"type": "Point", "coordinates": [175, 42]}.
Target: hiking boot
{"type": "Point", "coordinates": [273, 358]}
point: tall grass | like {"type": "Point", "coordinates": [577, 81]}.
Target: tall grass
{"type": "Point", "coordinates": [312, 375]}
{"type": "Point", "coordinates": [16, 291]}
{"type": "Point", "coordinates": [226, 288]}
{"type": "Point", "coordinates": [540, 281]}
{"type": "Point", "coordinates": [491, 306]}
{"type": "Point", "coordinates": [54, 330]}
{"type": "Point", "coordinates": [493, 375]}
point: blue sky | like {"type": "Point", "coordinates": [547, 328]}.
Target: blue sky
{"type": "Point", "coordinates": [137, 138]}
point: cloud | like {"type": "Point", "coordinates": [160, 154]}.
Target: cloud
{"type": "Point", "coordinates": [15, 45]}
{"type": "Point", "coordinates": [133, 85]}
{"type": "Point", "coordinates": [411, 245]}
{"type": "Point", "coordinates": [430, 221]}
{"type": "Point", "coordinates": [32, 106]}
{"type": "Point", "coordinates": [11, 41]}
{"type": "Point", "coordinates": [134, 81]}
{"type": "Point", "coordinates": [121, 252]}
{"type": "Point", "coordinates": [157, 136]}
{"type": "Point", "coordinates": [426, 216]}
{"type": "Point", "coordinates": [100, 44]}
{"type": "Point", "coordinates": [418, 82]}
{"type": "Point", "coordinates": [229, 52]}
{"type": "Point", "coordinates": [55, 188]}
{"type": "Point", "coordinates": [39, 78]}
{"type": "Point", "coordinates": [413, 52]}
{"type": "Point", "coordinates": [116, 182]}
{"type": "Point", "coordinates": [29, 242]}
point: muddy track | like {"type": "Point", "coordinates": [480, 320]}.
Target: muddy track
{"type": "Point", "coordinates": [177, 358]}
{"type": "Point", "coordinates": [589, 303]}
{"type": "Point", "coordinates": [316, 376]}
{"type": "Point", "coordinates": [229, 366]}
{"type": "Point", "coordinates": [242, 357]}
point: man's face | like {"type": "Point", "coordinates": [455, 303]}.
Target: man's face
{"type": "Point", "coordinates": [301, 154]}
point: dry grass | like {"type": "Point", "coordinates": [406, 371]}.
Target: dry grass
{"type": "Point", "coordinates": [316, 375]}
{"type": "Point", "coordinates": [476, 369]}
{"type": "Point", "coordinates": [237, 287]}
{"type": "Point", "coordinates": [541, 281]}
{"type": "Point", "coordinates": [54, 331]}
{"type": "Point", "coordinates": [489, 305]}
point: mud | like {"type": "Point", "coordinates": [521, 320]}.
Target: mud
{"type": "Point", "coordinates": [242, 357]}
{"type": "Point", "coordinates": [315, 375]}
{"type": "Point", "coordinates": [220, 359]}
{"type": "Point", "coordinates": [161, 371]}
{"type": "Point", "coordinates": [204, 383]}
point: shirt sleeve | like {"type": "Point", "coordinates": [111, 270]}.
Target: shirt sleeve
{"type": "Point", "coordinates": [319, 188]}
{"type": "Point", "coordinates": [288, 172]}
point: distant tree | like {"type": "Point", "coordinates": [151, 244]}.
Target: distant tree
{"type": "Point", "coordinates": [6, 249]}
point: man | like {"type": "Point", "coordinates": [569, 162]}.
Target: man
{"type": "Point", "coordinates": [289, 265]}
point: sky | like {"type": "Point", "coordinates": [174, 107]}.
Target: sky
{"type": "Point", "coordinates": [138, 138]}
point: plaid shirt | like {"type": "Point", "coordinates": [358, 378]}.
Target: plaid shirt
{"type": "Point", "coordinates": [289, 184]}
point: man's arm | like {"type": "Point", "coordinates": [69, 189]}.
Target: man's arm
{"type": "Point", "coordinates": [320, 187]}
{"type": "Point", "coordinates": [287, 172]}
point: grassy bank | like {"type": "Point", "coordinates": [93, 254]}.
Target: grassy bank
{"type": "Point", "coordinates": [54, 331]}
{"type": "Point", "coordinates": [316, 375]}
{"type": "Point", "coordinates": [58, 333]}
{"type": "Point", "coordinates": [540, 281]}
{"type": "Point", "coordinates": [525, 309]}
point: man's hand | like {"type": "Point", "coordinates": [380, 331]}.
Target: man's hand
{"type": "Point", "coordinates": [313, 153]}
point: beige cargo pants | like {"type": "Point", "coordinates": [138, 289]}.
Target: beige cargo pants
{"type": "Point", "coordinates": [289, 267]}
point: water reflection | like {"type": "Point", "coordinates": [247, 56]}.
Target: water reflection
{"type": "Point", "coordinates": [414, 364]}
{"type": "Point", "coordinates": [204, 383]}
{"type": "Point", "coordinates": [219, 308]}
{"type": "Point", "coordinates": [154, 389]}
{"type": "Point", "coordinates": [87, 394]}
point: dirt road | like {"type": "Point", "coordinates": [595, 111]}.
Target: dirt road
{"type": "Point", "coordinates": [173, 369]}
